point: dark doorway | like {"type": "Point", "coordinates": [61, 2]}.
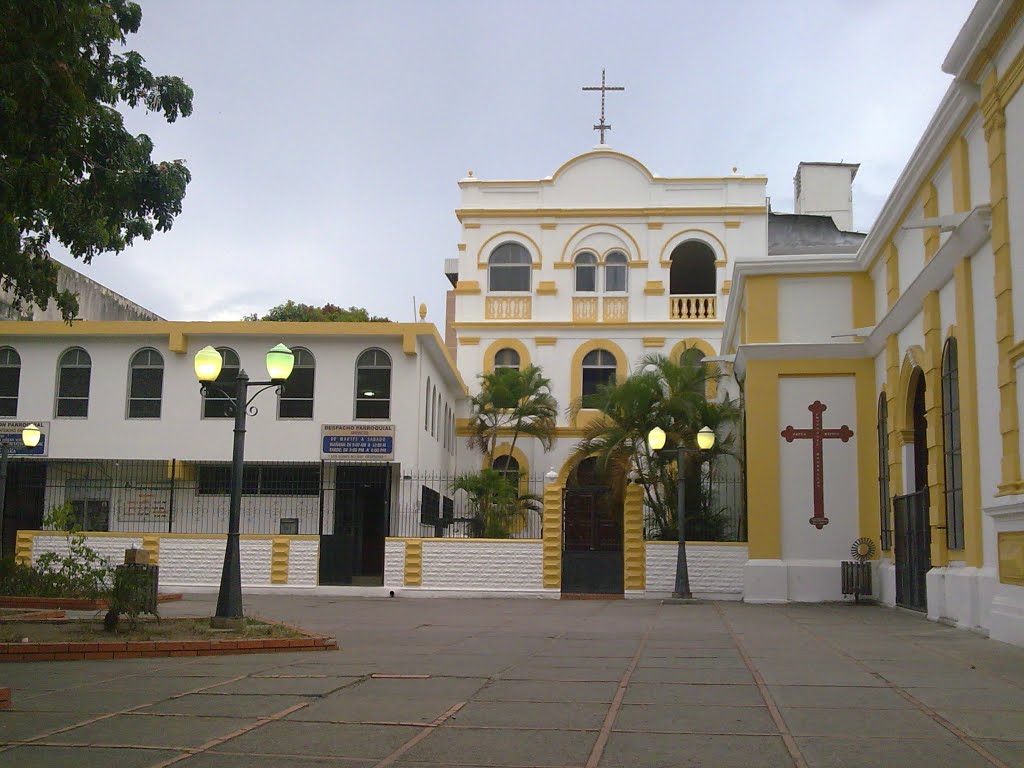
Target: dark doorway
{"type": "Point", "coordinates": [353, 553]}
{"type": "Point", "coordinates": [24, 500]}
{"type": "Point", "coordinates": [591, 534]}
{"type": "Point", "coordinates": [910, 515]}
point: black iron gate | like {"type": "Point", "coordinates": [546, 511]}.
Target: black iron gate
{"type": "Point", "coordinates": [591, 541]}
{"type": "Point", "coordinates": [353, 551]}
{"type": "Point", "coordinates": [913, 549]}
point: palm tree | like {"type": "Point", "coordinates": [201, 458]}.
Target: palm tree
{"type": "Point", "coordinates": [669, 395]}
{"type": "Point", "coordinates": [512, 401]}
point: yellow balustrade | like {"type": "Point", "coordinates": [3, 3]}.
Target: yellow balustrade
{"type": "Point", "coordinates": [508, 308]}
{"type": "Point", "coordinates": [697, 307]}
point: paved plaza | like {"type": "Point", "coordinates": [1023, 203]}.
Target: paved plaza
{"type": "Point", "coordinates": [475, 682]}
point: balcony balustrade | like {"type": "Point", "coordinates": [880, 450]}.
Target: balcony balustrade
{"type": "Point", "coordinates": [697, 307]}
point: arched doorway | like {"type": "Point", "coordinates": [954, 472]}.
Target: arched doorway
{"type": "Point", "coordinates": [591, 532]}
{"type": "Point", "coordinates": [910, 511]}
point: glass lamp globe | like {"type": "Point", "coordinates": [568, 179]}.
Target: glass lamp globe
{"type": "Point", "coordinates": [705, 438]}
{"type": "Point", "coordinates": [656, 439]}
{"type": "Point", "coordinates": [30, 436]}
{"type": "Point", "coordinates": [280, 361]}
{"type": "Point", "coordinates": [208, 363]}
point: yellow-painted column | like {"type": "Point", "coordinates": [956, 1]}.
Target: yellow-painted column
{"type": "Point", "coordinates": [932, 370]}
{"type": "Point", "coordinates": [762, 309]}
{"type": "Point", "coordinates": [892, 274]}
{"type": "Point", "coordinates": [863, 288]}
{"type": "Point", "coordinates": [930, 203]}
{"type": "Point", "coordinates": [764, 522]}
{"type": "Point", "coordinates": [634, 554]}
{"type": "Point", "coordinates": [151, 543]}
{"type": "Point", "coordinates": [279, 549]}
{"type": "Point", "coordinates": [995, 136]}
{"type": "Point", "coordinates": [867, 449]}
{"type": "Point", "coordinates": [23, 548]}
{"type": "Point", "coordinates": [552, 548]}
{"type": "Point", "coordinates": [413, 562]}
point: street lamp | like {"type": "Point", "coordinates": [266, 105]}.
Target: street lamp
{"type": "Point", "coordinates": [208, 364]}
{"type": "Point", "coordinates": [705, 441]}
{"type": "Point", "coordinates": [30, 437]}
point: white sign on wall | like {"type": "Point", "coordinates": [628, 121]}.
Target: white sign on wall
{"type": "Point", "coordinates": [358, 441]}
{"type": "Point", "coordinates": [151, 503]}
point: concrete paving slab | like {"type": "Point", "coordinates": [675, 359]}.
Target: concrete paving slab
{"type": "Point", "coordinates": [689, 718]}
{"type": "Point", "coordinates": [838, 697]}
{"type": "Point", "coordinates": [283, 683]}
{"type": "Point", "coordinates": [151, 731]}
{"type": "Point", "coordinates": [539, 690]}
{"type": "Point", "coordinates": [824, 721]}
{"type": "Point", "coordinates": [987, 723]}
{"type": "Point", "coordinates": [328, 739]}
{"type": "Point", "coordinates": [713, 676]}
{"type": "Point", "coordinates": [668, 693]}
{"type": "Point", "coordinates": [82, 757]}
{"type": "Point", "coordinates": [1010, 752]}
{"type": "Point", "coordinates": [111, 697]}
{"type": "Point", "coordinates": [564, 674]}
{"type": "Point", "coordinates": [857, 752]}
{"type": "Point", "coordinates": [628, 750]}
{"type": "Point", "coordinates": [518, 714]}
{"type": "Point", "coordinates": [223, 760]}
{"type": "Point", "coordinates": [969, 698]}
{"type": "Point", "coordinates": [377, 709]}
{"type": "Point", "coordinates": [22, 726]}
{"type": "Point", "coordinates": [490, 746]}
{"type": "Point", "coordinates": [212, 705]}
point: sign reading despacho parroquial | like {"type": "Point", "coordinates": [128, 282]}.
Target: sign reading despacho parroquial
{"type": "Point", "coordinates": [358, 441]}
{"type": "Point", "coordinates": [10, 434]}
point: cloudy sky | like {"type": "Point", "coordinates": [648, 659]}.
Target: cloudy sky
{"type": "Point", "coordinates": [328, 137]}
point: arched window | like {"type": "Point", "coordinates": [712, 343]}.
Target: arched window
{"type": "Point", "coordinates": [615, 268]}
{"type": "Point", "coordinates": [440, 416]}
{"type": "Point", "coordinates": [10, 380]}
{"type": "Point", "coordinates": [884, 498]}
{"type": "Point", "coordinates": [73, 374]}
{"type": "Point", "coordinates": [586, 272]}
{"type": "Point", "coordinates": [693, 270]}
{"type": "Point", "coordinates": [296, 399]}
{"type": "Point", "coordinates": [426, 406]}
{"type": "Point", "coordinates": [373, 385]}
{"type": "Point", "coordinates": [217, 405]}
{"type": "Point", "coordinates": [508, 268]}
{"type": "Point", "coordinates": [509, 469]}
{"type": "Point", "coordinates": [506, 358]}
{"type": "Point", "coordinates": [145, 384]}
{"type": "Point", "coordinates": [598, 371]}
{"type": "Point", "coordinates": [954, 491]}
{"type": "Point", "coordinates": [691, 356]}
{"type": "Point", "coordinates": [433, 411]}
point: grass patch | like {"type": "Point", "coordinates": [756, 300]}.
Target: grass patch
{"type": "Point", "coordinates": [91, 630]}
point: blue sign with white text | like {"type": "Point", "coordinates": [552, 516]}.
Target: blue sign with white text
{"type": "Point", "coordinates": [16, 447]}
{"type": "Point", "coordinates": [359, 444]}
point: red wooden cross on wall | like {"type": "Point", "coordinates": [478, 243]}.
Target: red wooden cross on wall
{"type": "Point", "coordinates": [817, 435]}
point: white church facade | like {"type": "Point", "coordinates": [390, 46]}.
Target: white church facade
{"type": "Point", "coordinates": [878, 373]}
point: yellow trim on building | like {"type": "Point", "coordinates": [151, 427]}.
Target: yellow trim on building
{"type": "Point", "coordinates": [568, 259]}
{"type": "Point", "coordinates": [674, 239]}
{"type": "Point", "coordinates": [496, 346]}
{"type": "Point", "coordinates": [762, 309]}
{"type": "Point", "coordinates": [970, 437]}
{"type": "Point", "coordinates": [151, 543]}
{"type": "Point", "coordinates": [650, 342]}
{"type": "Point", "coordinates": [548, 225]}
{"type": "Point", "coordinates": [467, 288]}
{"type": "Point", "coordinates": [576, 371]}
{"type": "Point", "coordinates": [279, 550]}
{"type": "Point", "coordinates": [1010, 549]}
{"type": "Point", "coordinates": [23, 547]}
{"type": "Point", "coordinates": [552, 548]}
{"type": "Point", "coordinates": [892, 384]}
{"type": "Point", "coordinates": [933, 413]}
{"type": "Point", "coordinates": [413, 576]}
{"type": "Point", "coordinates": [655, 225]}
{"type": "Point", "coordinates": [506, 449]}
{"type": "Point", "coordinates": [665, 325]}
{"type": "Point", "coordinates": [634, 553]}
{"type": "Point", "coordinates": [481, 260]}
{"type": "Point", "coordinates": [733, 224]}
{"type": "Point", "coordinates": [930, 207]}
{"type": "Point", "coordinates": [602, 213]}
{"type": "Point", "coordinates": [863, 298]}
{"type": "Point", "coordinates": [461, 247]}
{"type": "Point", "coordinates": [545, 341]}
{"type": "Point", "coordinates": [469, 341]}
{"type": "Point", "coordinates": [892, 274]}
{"type": "Point", "coordinates": [711, 386]}
{"type": "Point", "coordinates": [654, 288]}
{"type": "Point", "coordinates": [547, 288]}
{"type": "Point", "coordinates": [960, 166]}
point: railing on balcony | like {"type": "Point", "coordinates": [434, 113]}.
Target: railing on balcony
{"type": "Point", "coordinates": [700, 307]}
{"type": "Point", "coordinates": [508, 308]}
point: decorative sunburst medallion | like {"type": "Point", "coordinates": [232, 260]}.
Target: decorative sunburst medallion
{"type": "Point", "coordinates": [863, 549]}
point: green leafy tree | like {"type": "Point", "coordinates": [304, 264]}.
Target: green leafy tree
{"type": "Point", "coordinates": [497, 507]}
{"type": "Point", "coordinates": [69, 170]}
{"type": "Point", "coordinates": [670, 395]}
{"type": "Point", "coordinates": [293, 312]}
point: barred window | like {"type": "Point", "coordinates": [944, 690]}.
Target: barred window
{"type": "Point", "coordinates": [10, 379]}
{"type": "Point", "coordinates": [73, 375]}
{"type": "Point", "coordinates": [954, 490]}
{"type": "Point", "coordinates": [508, 268]}
{"type": "Point", "coordinates": [884, 496]}
{"type": "Point", "coordinates": [373, 385]}
{"type": "Point", "coordinates": [217, 405]}
{"type": "Point", "coordinates": [145, 384]}
{"type": "Point", "coordinates": [506, 358]}
{"type": "Point", "coordinates": [615, 272]}
{"type": "Point", "coordinates": [296, 399]}
{"type": "Point", "coordinates": [260, 480]}
{"type": "Point", "coordinates": [508, 466]}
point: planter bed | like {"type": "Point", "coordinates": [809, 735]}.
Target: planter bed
{"type": "Point", "coordinates": [73, 640]}
{"type": "Point", "coordinates": [29, 614]}
{"type": "Point", "coordinates": [72, 603]}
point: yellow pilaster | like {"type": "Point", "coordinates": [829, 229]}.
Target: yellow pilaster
{"type": "Point", "coordinates": [552, 557]}
{"type": "Point", "coordinates": [151, 543]}
{"type": "Point", "coordinates": [413, 562]}
{"type": "Point", "coordinates": [279, 560]}
{"type": "Point", "coordinates": [995, 136]}
{"type": "Point", "coordinates": [23, 548]}
{"type": "Point", "coordinates": [970, 439]}
{"type": "Point", "coordinates": [892, 274]}
{"type": "Point", "coordinates": [930, 203]}
{"type": "Point", "coordinates": [863, 300]}
{"type": "Point", "coordinates": [932, 370]}
{"type": "Point", "coordinates": [762, 309]}
{"type": "Point", "coordinates": [961, 169]}
{"type": "Point", "coordinates": [634, 554]}
{"type": "Point", "coordinates": [764, 523]}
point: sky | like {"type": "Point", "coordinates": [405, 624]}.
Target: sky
{"type": "Point", "coordinates": [327, 138]}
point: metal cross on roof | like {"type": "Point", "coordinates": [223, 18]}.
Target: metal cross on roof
{"type": "Point", "coordinates": [602, 126]}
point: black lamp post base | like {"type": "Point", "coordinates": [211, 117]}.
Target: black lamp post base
{"type": "Point", "coordinates": [224, 622]}
{"type": "Point", "coordinates": [681, 598]}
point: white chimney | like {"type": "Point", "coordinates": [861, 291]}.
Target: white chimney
{"type": "Point", "coordinates": [826, 189]}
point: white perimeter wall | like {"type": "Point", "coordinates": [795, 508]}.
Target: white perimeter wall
{"type": "Point", "coordinates": [716, 570]}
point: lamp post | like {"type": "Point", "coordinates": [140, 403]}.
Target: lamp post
{"type": "Point", "coordinates": [30, 437]}
{"type": "Point", "coordinates": [208, 363]}
{"type": "Point", "coordinates": [656, 441]}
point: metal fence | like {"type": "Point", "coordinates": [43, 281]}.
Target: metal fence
{"type": "Point", "coordinates": [719, 511]}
